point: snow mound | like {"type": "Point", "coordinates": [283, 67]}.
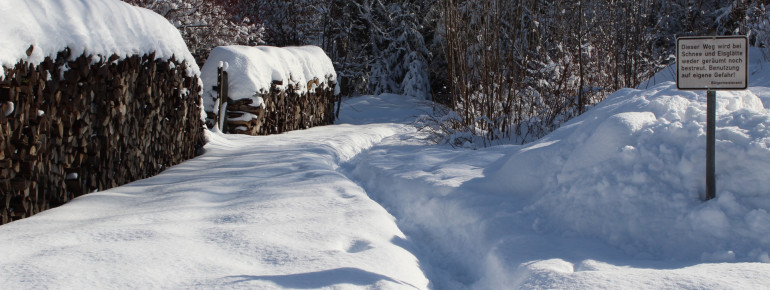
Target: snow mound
{"type": "Point", "coordinates": [631, 172]}
{"type": "Point", "coordinates": [91, 27]}
{"type": "Point", "coordinates": [252, 70]}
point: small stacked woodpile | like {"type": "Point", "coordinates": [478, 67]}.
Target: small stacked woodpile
{"type": "Point", "coordinates": [282, 111]}
{"type": "Point", "coordinates": [281, 105]}
{"type": "Point", "coordinates": [69, 127]}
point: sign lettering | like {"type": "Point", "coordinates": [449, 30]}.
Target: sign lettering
{"type": "Point", "coordinates": [712, 63]}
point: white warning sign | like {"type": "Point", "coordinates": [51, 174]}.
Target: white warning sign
{"type": "Point", "coordinates": [712, 63]}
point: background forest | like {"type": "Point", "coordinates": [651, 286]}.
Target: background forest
{"type": "Point", "coordinates": [497, 70]}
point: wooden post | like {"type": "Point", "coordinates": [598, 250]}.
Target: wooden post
{"type": "Point", "coordinates": [223, 90]}
{"type": "Point", "coordinates": [219, 93]}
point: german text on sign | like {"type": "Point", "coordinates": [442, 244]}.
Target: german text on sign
{"type": "Point", "coordinates": [712, 63]}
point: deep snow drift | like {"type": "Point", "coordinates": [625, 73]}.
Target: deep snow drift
{"type": "Point", "coordinates": [632, 173]}
{"type": "Point", "coordinates": [614, 198]}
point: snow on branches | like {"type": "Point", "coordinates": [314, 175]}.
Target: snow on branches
{"type": "Point", "coordinates": [205, 24]}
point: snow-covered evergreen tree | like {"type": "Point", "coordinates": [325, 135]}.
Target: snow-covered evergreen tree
{"type": "Point", "coordinates": [347, 41]}
{"type": "Point", "coordinates": [401, 56]}
{"type": "Point", "coordinates": [758, 24]}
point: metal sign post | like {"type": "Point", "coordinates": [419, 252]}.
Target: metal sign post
{"type": "Point", "coordinates": [711, 119]}
{"type": "Point", "coordinates": [712, 63]}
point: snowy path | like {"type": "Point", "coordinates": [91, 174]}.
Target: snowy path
{"type": "Point", "coordinates": [326, 207]}
{"type": "Point", "coordinates": [509, 217]}
{"type": "Point", "coordinates": [253, 212]}
{"type": "Point", "coordinates": [473, 235]}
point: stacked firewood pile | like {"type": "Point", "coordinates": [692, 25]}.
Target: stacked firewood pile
{"type": "Point", "coordinates": [69, 127]}
{"type": "Point", "coordinates": [282, 110]}
{"type": "Point", "coordinates": [261, 90]}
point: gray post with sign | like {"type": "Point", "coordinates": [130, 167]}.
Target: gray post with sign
{"type": "Point", "coordinates": [711, 127]}
{"type": "Point", "coordinates": [712, 63]}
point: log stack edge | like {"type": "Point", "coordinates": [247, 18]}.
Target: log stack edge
{"type": "Point", "coordinates": [70, 127]}
{"type": "Point", "coordinates": [283, 110]}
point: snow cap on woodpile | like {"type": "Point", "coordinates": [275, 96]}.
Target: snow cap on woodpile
{"type": "Point", "coordinates": [91, 27]}
{"type": "Point", "coordinates": [252, 71]}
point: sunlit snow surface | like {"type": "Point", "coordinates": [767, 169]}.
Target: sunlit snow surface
{"type": "Point", "coordinates": [613, 199]}
{"type": "Point", "coordinates": [252, 212]}
{"type": "Point", "coordinates": [91, 27]}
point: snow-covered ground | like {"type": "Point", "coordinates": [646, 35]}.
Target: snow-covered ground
{"type": "Point", "coordinates": [613, 199]}
{"type": "Point", "coordinates": [252, 212]}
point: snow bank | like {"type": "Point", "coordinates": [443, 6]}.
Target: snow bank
{"type": "Point", "coordinates": [631, 172]}
{"type": "Point", "coordinates": [90, 27]}
{"type": "Point", "coordinates": [614, 198]}
{"type": "Point", "coordinates": [611, 199]}
{"type": "Point", "coordinates": [252, 71]}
